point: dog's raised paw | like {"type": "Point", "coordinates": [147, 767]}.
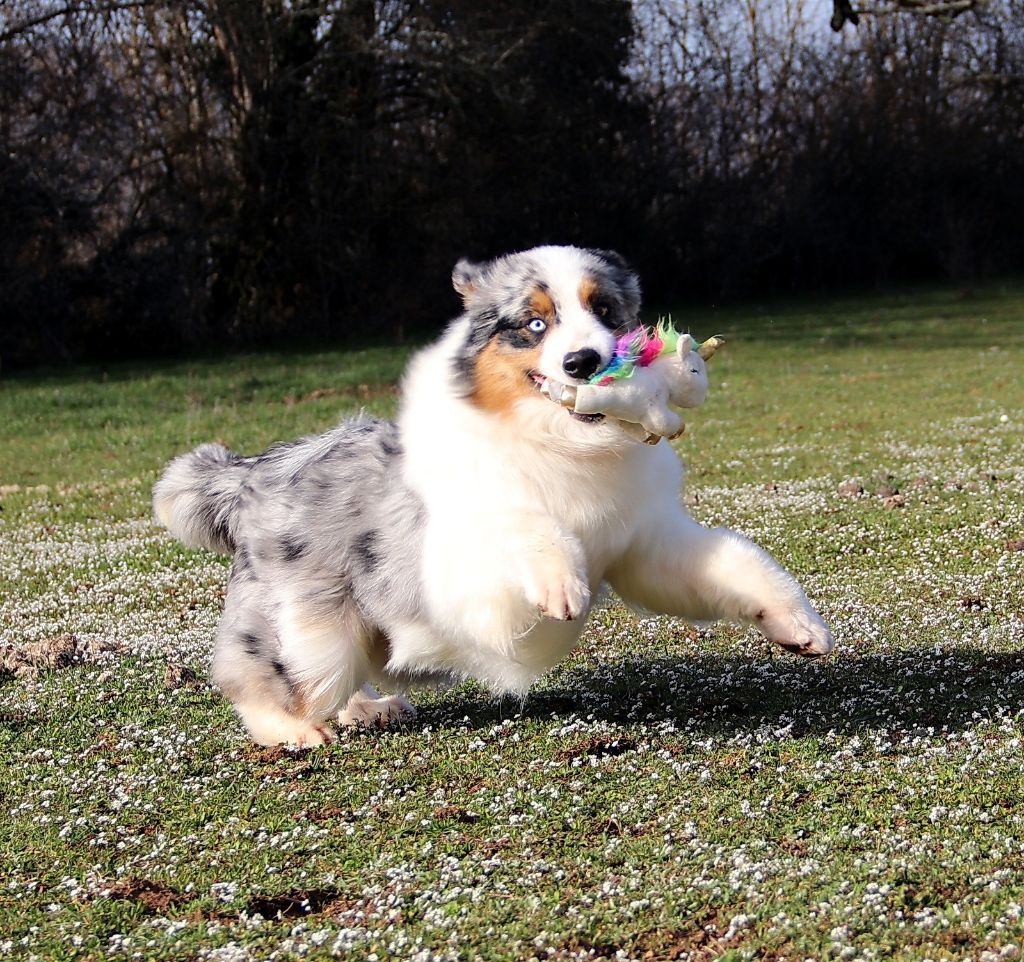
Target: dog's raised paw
{"type": "Point", "coordinates": [560, 595]}
{"type": "Point", "coordinates": [800, 632]}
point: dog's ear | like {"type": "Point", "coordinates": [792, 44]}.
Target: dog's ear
{"type": "Point", "coordinates": [624, 278]}
{"type": "Point", "coordinates": [466, 278]}
{"type": "Point", "coordinates": [612, 257]}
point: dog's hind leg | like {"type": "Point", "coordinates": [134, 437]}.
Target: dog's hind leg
{"type": "Point", "coordinates": [249, 670]}
{"type": "Point", "coordinates": [291, 669]}
{"type": "Point", "coordinates": [683, 568]}
{"type": "Point", "coordinates": [268, 725]}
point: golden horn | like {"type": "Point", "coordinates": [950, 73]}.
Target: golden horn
{"type": "Point", "coordinates": [709, 347]}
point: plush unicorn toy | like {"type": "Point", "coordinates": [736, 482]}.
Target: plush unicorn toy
{"type": "Point", "coordinates": [649, 370]}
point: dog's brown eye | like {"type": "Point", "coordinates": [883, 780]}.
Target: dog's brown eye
{"type": "Point", "coordinates": [537, 325]}
{"type": "Point", "coordinates": [601, 310]}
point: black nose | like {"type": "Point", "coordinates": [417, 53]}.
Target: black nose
{"type": "Point", "coordinates": [581, 364]}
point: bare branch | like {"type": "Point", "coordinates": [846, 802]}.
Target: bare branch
{"type": "Point", "coordinates": [936, 8]}
{"type": "Point", "coordinates": [843, 12]}
{"type": "Point", "coordinates": [70, 10]}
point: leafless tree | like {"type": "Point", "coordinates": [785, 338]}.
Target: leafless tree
{"type": "Point", "coordinates": [182, 172]}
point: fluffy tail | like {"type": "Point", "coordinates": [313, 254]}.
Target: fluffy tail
{"type": "Point", "coordinates": [197, 496]}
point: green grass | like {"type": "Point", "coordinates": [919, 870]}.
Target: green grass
{"type": "Point", "coordinates": [669, 792]}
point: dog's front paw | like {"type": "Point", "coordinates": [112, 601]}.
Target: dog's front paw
{"type": "Point", "coordinates": [558, 593]}
{"type": "Point", "coordinates": [800, 631]}
{"type": "Point", "coordinates": [375, 712]}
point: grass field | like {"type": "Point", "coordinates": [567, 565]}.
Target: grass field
{"type": "Point", "coordinates": [668, 793]}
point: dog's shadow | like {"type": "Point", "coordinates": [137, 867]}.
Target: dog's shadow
{"type": "Point", "coordinates": [912, 689]}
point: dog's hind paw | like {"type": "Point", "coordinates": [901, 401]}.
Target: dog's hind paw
{"type": "Point", "coordinates": [801, 632]}
{"type": "Point", "coordinates": [269, 725]}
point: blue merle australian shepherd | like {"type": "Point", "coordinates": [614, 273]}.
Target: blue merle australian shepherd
{"type": "Point", "coordinates": [469, 537]}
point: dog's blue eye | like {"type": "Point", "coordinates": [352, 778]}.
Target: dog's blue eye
{"type": "Point", "coordinates": [537, 326]}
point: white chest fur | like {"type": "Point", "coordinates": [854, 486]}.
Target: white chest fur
{"type": "Point", "coordinates": [507, 508]}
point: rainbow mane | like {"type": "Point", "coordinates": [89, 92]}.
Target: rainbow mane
{"type": "Point", "coordinates": [638, 348]}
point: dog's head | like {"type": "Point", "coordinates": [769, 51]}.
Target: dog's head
{"type": "Point", "coordinates": [547, 312]}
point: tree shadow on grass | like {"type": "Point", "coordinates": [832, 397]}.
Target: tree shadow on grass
{"type": "Point", "coordinates": [911, 690]}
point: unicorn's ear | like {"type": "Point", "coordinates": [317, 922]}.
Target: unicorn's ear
{"type": "Point", "coordinates": [685, 344]}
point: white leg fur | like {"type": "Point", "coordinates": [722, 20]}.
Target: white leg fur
{"type": "Point", "coordinates": [326, 659]}
{"type": "Point", "coordinates": [696, 572]}
{"type": "Point", "coordinates": [554, 575]}
{"type": "Point", "coordinates": [492, 577]}
{"type": "Point", "coordinates": [368, 707]}
{"type": "Point", "coordinates": [327, 654]}
{"type": "Point", "coordinates": [270, 725]}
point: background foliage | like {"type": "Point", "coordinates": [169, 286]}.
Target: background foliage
{"type": "Point", "coordinates": [175, 175]}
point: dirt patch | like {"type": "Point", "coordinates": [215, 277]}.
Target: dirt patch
{"type": "Point", "coordinates": [157, 897]}
{"type": "Point", "coordinates": [272, 754]}
{"type": "Point", "coordinates": [612, 827]}
{"type": "Point", "coordinates": [325, 813]}
{"type": "Point", "coordinates": [797, 847]}
{"type": "Point", "coordinates": [180, 676]}
{"type": "Point", "coordinates": [454, 813]}
{"type": "Point", "coordinates": [691, 945]}
{"type": "Point", "coordinates": [490, 847]}
{"type": "Point", "coordinates": [695, 942]}
{"type": "Point", "coordinates": [598, 748]}
{"type": "Point", "coordinates": [658, 945]}
{"type": "Point", "coordinates": [299, 904]}
{"type": "Point", "coordinates": [596, 950]}
{"type": "Point", "coordinates": [15, 721]}
{"type": "Point", "coordinates": [50, 654]}
{"type": "Point", "coordinates": [152, 895]}
{"type": "Point", "coordinates": [973, 603]}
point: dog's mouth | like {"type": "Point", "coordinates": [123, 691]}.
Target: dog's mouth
{"type": "Point", "coordinates": [539, 380]}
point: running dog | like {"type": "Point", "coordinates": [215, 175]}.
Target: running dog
{"type": "Point", "coordinates": [469, 537]}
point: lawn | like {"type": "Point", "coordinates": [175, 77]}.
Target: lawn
{"type": "Point", "coordinates": [670, 792]}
